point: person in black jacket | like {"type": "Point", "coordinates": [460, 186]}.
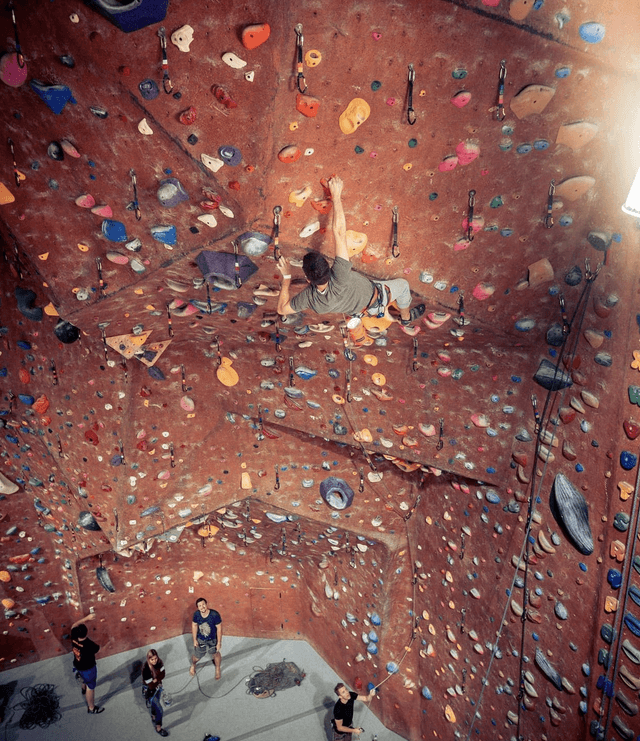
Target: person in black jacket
{"type": "Point", "coordinates": [152, 675]}
{"type": "Point", "coordinates": [84, 661]}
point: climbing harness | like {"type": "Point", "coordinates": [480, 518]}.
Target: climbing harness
{"type": "Point", "coordinates": [411, 114]}
{"type": "Point", "coordinates": [472, 203]}
{"type": "Point", "coordinates": [281, 676]}
{"type": "Point", "coordinates": [500, 114]}
{"type": "Point", "coordinates": [277, 210]}
{"type": "Point", "coordinates": [134, 205]}
{"type": "Point", "coordinates": [300, 80]}
{"type": "Point", "coordinates": [395, 251]}
{"type": "Point", "coordinates": [166, 81]}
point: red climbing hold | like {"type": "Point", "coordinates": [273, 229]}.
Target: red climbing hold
{"type": "Point", "coordinates": [254, 35]}
{"type": "Point", "coordinates": [308, 105]}
{"type": "Point", "coordinates": [290, 153]}
{"type": "Point", "coordinates": [224, 97]}
{"type": "Point", "coordinates": [234, 185]}
{"type": "Point", "coordinates": [189, 116]}
{"type": "Point", "coordinates": [91, 437]}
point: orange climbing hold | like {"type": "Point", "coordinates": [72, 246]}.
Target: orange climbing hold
{"type": "Point", "coordinates": [355, 114]}
{"type": "Point", "coordinates": [254, 35]}
{"type": "Point", "coordinates": [290, 153]}
{"type": "Point", "coordinates": [224, 97]}
{"type": "Point", "coordinates": [308, 105]}
{"type": "Point", "coordinates": [41, 404]}
{"type": "Point", "coordinates": [189, 116]}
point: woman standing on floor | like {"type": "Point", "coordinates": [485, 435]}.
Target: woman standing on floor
{"type": "Point", "coordinates": [152, 676]}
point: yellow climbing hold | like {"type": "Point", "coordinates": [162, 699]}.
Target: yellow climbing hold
{"type": "Point", "coordinates": [635, 363]}
{"type": "Point", "coordinates": [449, 714]}
{"type": "Point", "coordinates": [43, 256]}
{"type": "Point", "coordinates": [50, 310]}
{"type": "Point", "coordinates": [83, 247]}
{"type": "Point", "coordinates": [355, 114]}
{"type": "Point", "coordinates": [407, 166]}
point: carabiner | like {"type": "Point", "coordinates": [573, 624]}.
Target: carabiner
{"type": "Point", "coordinates": [472, 203]}
{"type": "Point", "coordinates": [500, 114]}
{"type": "Point", "coordinates": [166, 82]}
{"type": "Point", "coordinates": [277, 210]}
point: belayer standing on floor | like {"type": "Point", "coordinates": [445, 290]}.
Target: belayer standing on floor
{"type": "Point", "coordinates": [343, 712]}
{"type": "Point", "coordinates": [152, 675]}
{"type": "Point", "coordinates": [206, 629]}
{"type": "Point", "coordinates": [84, 661]}
{"type": "Point", "coordinates": [335, 289]}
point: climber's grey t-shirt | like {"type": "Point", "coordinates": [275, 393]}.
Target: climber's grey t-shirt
{"type": "Point", "coordinates": [348, 292]}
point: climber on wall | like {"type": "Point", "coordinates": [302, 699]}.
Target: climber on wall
{"type": "Point", "coordinates": [338, 288]}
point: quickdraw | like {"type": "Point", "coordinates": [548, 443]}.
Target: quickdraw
{"type": "Point", "coordinates": [566, 326]}
{"type": "Point", "coordinates": [348, 382]}
{"type": "Point", "coordinates": [414, 364]}
{"type": "Point", "coordinates": [16, 173]}
{"type": "Point", "coordinates": [300, 80]}
{"type": "Point", "coordinates": [277, 210]}
{"type": "Point", "coordinates": [19, 54]}
{"type": "Point", "coordinates": [472, 203]}
{"type": "Point", "coordinates": [500, 114]}
{"type": "Point", "coordinates": [134, 205]}
{"type": "Point", "coordinates": [411, 114]}
{"type": "Point", "coordinates": [395, 251]}
{"type": "Point", "coordinates": [184, 379]}
{"type": "Point", "coordinates": [440, 444]}
{"type": "Point", "coordinates": [548, 219]}
{"type": "Point", "coordinates": [292, 380]}
{"type": "Point", "coordinates": [166, 81]}
{"type": "Point", "coordinates": [276, 486]}
{"type": "Point", "coordinates": [169, 325]}
{"type": "Point", "coordinates": [100, 279]}
{"type": "Point", "coordinates": [236, 264]}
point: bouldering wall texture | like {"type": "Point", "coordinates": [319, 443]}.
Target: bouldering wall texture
{"type": "Point", "coordinates": [450, 512]}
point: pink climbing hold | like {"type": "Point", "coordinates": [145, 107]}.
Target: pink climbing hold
{"type": "Point", "coordinates": [391, 101]}
{"type": "Point", "coordinates": [86, 201]}
{"type": "Point", "coordinates": [491, 3]}
{"type": "Point", "coordinates": [483, 291]}
{"type": "Point", "coordinates": [476, 224]}
{"type": "Point", "coordinates": [461, 244]}
{"type": "Point", "coordinates": [467, 152]}
{"type": "Point", "coordinates": [461, 99]}
{"type": "Point", "coordinates": [480, 420]}
{"type": "Point", "coordinates": [104, 211]}
{"type": "Point", "coordinates": [448, 163]}
{"type": "Point", "coordinates": [376, 36]}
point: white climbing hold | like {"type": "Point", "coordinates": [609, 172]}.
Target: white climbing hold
{"type": "Point", "coordinates": [226, 211]}
{"type": "Point", "coordinates": [211, 163]}
{"type": "Point", "coordinates": [182, 38]}
{"type": "Point", "coordinates": [233, 61]}
{"type": "Point", "coordinates": [311, 228]}
{"type": "Point", "coordinates": [249, 76]}
{"type": "Point", "coordinates": [208, 219]}
{"type": "Point", "coordinates": [144, 128]}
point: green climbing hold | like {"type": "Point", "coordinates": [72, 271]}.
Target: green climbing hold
{"type": "Point", "coordinates": [413, 143]}
{"type": "Point", "coordinates": [433, 196]}
{"type": "Point", "coordinates": [376, 85]}
{"type": "Point", "coordinates": [459, 74]}
{"type": "Point", "coordinates": [359, 150]}
{"type": "Point", "coordinates": [496, 202]}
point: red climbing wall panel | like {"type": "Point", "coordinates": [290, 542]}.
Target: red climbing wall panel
{"type": "Point", "coordinates": [165, 438]}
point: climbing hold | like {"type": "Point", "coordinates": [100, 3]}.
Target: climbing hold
{"type": "Point", "coordinates": [69, 148]}
{"type": "Point", "coordinates": [461, 99]}
{"type": "Point", "coordinates": [233, 61]}
{"type": "Point", "coordinates": [182, 38]}
{"type": "Point", "coordinates": [355, 114]}
{"type": "Point", "coordinates": [539, 272]}
{"type": "Point", "coordinates": [356, 242]}
{"type": "Point", "coordinates": [573, 188]}
{"type": "Point", "coordinates": [144, 128]}
{"type": "Point", "coordinates": [66, 333]}
{"type": "Point", "coordinates": [188, 117]}
{"type": "Point", "coordinates": [467, 151]}
{"type": "Point", "coordinates": [149, 89]}
{"type": "Point", "coordinates": [105, 211]}
{"type": "Point", "coordinates": [574, 276]}
{"type": "Point", "coordinates": [290, 153]}
{"type": "Point", "coordinates": [531, 99]}
{"type": "Point", "coordinates": [300, 196]}
{"type": "Point", "coordinates": [628, 460]}
{"type": "Point", "coordinates": [255, 34]}
{"type": "Point", "coordinates": [25, 299]}
{"type": "Point", "coordinates": [208, 219]}
{"type": "Point", "coordinates": [211, 163]}
{"type": "Point", "coordinates": [226, 374]}
{"type": "Point", "coordinates": [311, 228]}
{"type": "Point", "coordinates": [221, 95]}
{"type": "Point", "coordinates": [55, 96]}
{"type": "Point", "coordinates": [592, 33]}
{"type": "Point", "coordinates": [86, 201]}
{"type": "Point", "coordinates": [312, 58]}
{"type": "Point", "coordinates": [449, 163]}
{"type": "Point", "coordinates": [170, 192]}
{"type": "Point", "coordinates": [254, 244]}
{"type": "Point", "coordinates": [55, 151]}
{"type": "Point", "coordinates": [230, 155]}
{"type": "Point", "coordinates": [165, 233]}
{"type": "Point", "coordinates": [571, 510]}
{"type": "Point", "coordinates": [551, 377]}
{"type": "Point", "coordinates": [308, 105]}
{"type": "Point", "coordinates": [114, 231]}
{"type": "Point", "coordinates": [12, 73]}
{"type": "Point", "coordinates": [576, 135]}
{"type": "Point", "coordinates": [520, 9]}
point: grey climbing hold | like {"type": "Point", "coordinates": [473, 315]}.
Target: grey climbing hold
{"type": "Point", "coordinates": [570, 509]}
{"type": "Point", "coordinates": [545, 667]}
{"type": "Point", "coordinates": [336, 493]}
{"type": "Point", "coordinates": [66, 332]}
{"type": "Point", "coordinates": [555, 335]}
{"type": "Point", "coordinates": [574, 276]}
{"type": "Point", "coordinates": [88, 521]}
{"type": "Point", "coordinates": [25, 299]}
{"type": "Point", "coordinates": [561, 611]}
{"type": "Point", "coordinates": [552, 377]}
{"type": "Point", "coordinates": [599, 240]}
{"type": "Point", "coordinates": [604, 359]}
{"type": "Point", "coordinates": [171, 193]}
{"type": "Point", "coordinates": [523, 436]}
{"type": "Point", "coordinates": [105, 579]}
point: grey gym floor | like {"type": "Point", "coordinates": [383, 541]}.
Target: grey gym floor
{"type": "Point", "coordinates": [200, 705]}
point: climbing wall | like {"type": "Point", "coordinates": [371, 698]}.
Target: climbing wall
{"type": "Point", "coordinates": [450, 512]}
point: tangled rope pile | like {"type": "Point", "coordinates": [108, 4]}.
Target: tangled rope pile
{"type": "Point", "coordinates": [41, 706]}
{"type": "Point", "coordinates": [275, 677]}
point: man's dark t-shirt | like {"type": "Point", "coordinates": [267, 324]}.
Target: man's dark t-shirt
{"type": "Point", "coordinates": [84, 654]}
{"type": "Point", "coordinates": [207, 630]}
{"type": "Point", "coordinates": [344, 710]}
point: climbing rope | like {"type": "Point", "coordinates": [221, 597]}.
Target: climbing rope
{"type": "Point", "coordinates": [281, 676]}
{"type": "Point", "coordinates": [41, 706]}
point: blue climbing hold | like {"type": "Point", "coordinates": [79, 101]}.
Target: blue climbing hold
{"type": "Point", "coordinates": [230, 155]}
{"type": "Point", "coordinates": [26, 399]}
{"type": "Point", "coordinates": [628, 460]}
{"type": "Point", "coordinates": [149, 89]}
{"type": "Point", "coordinates": [165, 233]}
{"type": "Point", "coordinates": [55, 96]}
{"type": "Point", "coordinates": [524, 148]}
{"type": "Point", "coordinates": [614, 577]}
{"type": "Point", "coordinates": [562, 72]}
{"type": "Point", "coordinates": [114, 231]}
{"type": "Point", "coordinates": [592, 33]}
{"type": "Point", "coordinates": [426, 693]}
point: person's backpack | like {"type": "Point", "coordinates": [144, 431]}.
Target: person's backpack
{"type": "Point", "coordinates": [265, 682]}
